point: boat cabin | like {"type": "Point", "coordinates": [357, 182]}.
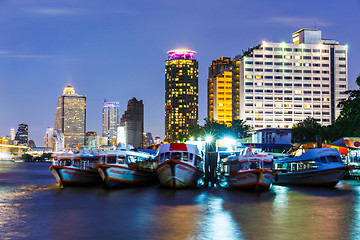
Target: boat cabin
{"type": "Point", "coordinates": [76, 161]}
{"type": "Point", "coordinates": [235, 164]}
{"type": "Point", "coordinates": [186, 157]}
{"type": "Point", "coordinates": [295, 165]}
{"type": "Point", "coordinates": [128, 158]}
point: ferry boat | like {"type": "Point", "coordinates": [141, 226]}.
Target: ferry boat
{"type": "Point", "coordinates": [126, 167]}
{"type": "Point", "coordinates": [316, 167]}
{"type": "Point", "coordinates": [75, 169]}
{"type": "Point", "coordinates": [181, 165]}
{"type": "Point", "coordinates": [251, 172]}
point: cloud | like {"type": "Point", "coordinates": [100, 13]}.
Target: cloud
{"type": "Point", "coordinates": [23, 56]}
{"type": "Point", "coordinates": [298, 21]}
{"type": "Point", "coordinates": [53, 11]}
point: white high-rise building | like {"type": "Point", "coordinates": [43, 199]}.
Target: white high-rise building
{"type": "Point", "coordinates": [111, 118]}
{"type": "Point", "coordinates": [283, 83]}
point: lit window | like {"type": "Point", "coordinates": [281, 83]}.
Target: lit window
{"type": "Point", "coordinates": [258, 77]}
{"type": "Point", "coordinates": [258, 105]}
{"type": "Point", "coordinates": [248, 76]}
{"type": "Point", "coordinates": [298, 92]}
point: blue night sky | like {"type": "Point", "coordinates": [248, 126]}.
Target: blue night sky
{"type": "Point", "coordinates": [117, 49]}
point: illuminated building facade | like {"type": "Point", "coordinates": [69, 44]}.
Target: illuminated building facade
{"type": "Point", "coordinates": [54, 139]}
{"type": "Point", "coordinates": [215, 70]}
{"type": "Point", "coordinates": [131, 127]}
{"type": "Point", "coordinates": [110, 123]}
{"type": "Point", "coordinates": [283, 83]}
{"type": "Point", "coordinates": [22, 134]}
{"type": "Point", "coordinates": [181, 93]}
{"type": "Point", "coordinates": [71, 117]}
{"type": "Point", "coordinates": [92, 140]}
{"type": "Point", "coordinates": [222, 111]}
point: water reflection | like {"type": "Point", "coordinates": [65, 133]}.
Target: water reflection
{"type": "Point", "coordinates": [216, 222]}
{"type": "Point", "coordinates": [32, 207]}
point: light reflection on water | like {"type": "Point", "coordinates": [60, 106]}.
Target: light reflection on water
{"type": "Point", "coordinates": [32, 207]}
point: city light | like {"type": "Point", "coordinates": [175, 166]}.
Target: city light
{"type": "Point", "coordinates": [208, 139]}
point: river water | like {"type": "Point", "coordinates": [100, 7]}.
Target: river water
{"type": "Point", "coordinates": [33, 207]}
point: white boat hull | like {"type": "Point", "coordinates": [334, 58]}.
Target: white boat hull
{"type": "Point", "coordinates": [325, 177]}
{"type": "Point", "coordinates": [254, 180]}
{"type": "Point", "coordinates": [116, 176]}
{"type": "Point", "coordinates": [74, 176]}
{"type": "Point", "coordinates": [177, 174]}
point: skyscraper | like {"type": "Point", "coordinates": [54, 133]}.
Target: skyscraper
{"type": "Point", "coordinates": [283, 83]}
{"type": "Point", "coordinates": [131, 125]}
{"type": "Point", "coordinates": [181, 93]}
{"type": "Point", "coordinates": [220, 91]}
{"type": "Point", "coordinates": [22, 134]}
{"type": "Point", "coordinates": [71, 117]}
{"type": "Point", "coordinates": [110, 116]}
{"type": "Point", "coordinates": [54, 139]}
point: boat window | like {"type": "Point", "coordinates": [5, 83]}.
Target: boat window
{"type": "Point", "coordinates": [322, 160]}
{"type": "Point", "coordinates": [67, 162]}
{"type": "Point", "coordinates": [198, 162]}
{"type": "Point", "coordinates": [176, 156]}
{"type": "Point", "coordinates": [185, 157]}
{"type": "Point", "coordinates": [111, 159]}
{"type": "Point", "coordinates": [317, 160]}
{"type": "Point", "coordinates": [161, 157]}
{"type": "Point", "coordinates": [102, 159]}
{"type": "Point", "coordinates": [191, 157]}
{"type": "Point", "coordinates": [132, 159]}
{"type": "Point", "coordinates": [244, 165]}
{"type": "Point", "coordinates": [234, 166]}
{"type": "Point", "coordinates": [77, 163]}
{"type": "Point", "coordinates": [254, 164]}
{"type": "Point", "coordinates": [294, 167]}
{"type": "Point", "coordinates": [267, 164]}
{"type": "Point", "coordinates": [332, 158]}
{"type": "Point", "coordinates": [167, 156]}
{"type": "Point", "coordinates": [121, 160]}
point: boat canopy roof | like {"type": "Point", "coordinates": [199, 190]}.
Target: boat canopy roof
{"type": "Point", "coordinates": [179, 147]}
{"type": "Point", "coordinates": [249, 156]}
{"type": "Point", "coordinates": [311, 154]}
{"type": "Point", "coordinates": [119, 152]}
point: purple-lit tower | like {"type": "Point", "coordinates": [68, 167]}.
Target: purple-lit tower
{"type": "Point", "coordinates": [181, 93]}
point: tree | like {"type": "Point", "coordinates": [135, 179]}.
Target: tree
{"type": "Point", "coordinates": [306, 130]}
{"type": "Point", "coordinates": [240, 128]}
{"type": "Point", "coordinates": [216, 130]}
{"type": "Point", "coordinates": [348, 122]}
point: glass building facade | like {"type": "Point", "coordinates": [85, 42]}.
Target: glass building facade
{"type": "Point", "coordinates": [181, 93]}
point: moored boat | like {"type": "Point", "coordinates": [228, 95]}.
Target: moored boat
{"type": "Point", "coordinates": [75, 169]}
{"type": "Point", "coordinates": [181, 165]}
{"type": "Point", "coordinates": [316, 167]}
{"type": "Point", "coordinates": [123, 167]}
{"type": "Point", "coordinates": [251, 172]}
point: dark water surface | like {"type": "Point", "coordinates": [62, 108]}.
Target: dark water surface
{"type": "Point", "coordinates": [33, 207]}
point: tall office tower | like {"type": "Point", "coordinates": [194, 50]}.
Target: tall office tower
{"type": "Point", "coordinates": [215, 69]}
{"type": "Point", "coordinates": [92, 140]}
{"type": "Point", "coordinates": [222, 98]}
{"type": "Point", "coordinates": [12, 134]}
{"type": "Point", "coordinates": [283, 83]}
{"type": "Point", "coordinates": [148, 140]}
{"type": "Point", "coordinates": [54, 139]}
{"type": "Point", "coordinates": [131, 125]}
{"type": "Point", "coordinates": [71, 117]}
{"type": "Point", "coordinates": [111, 117]}
{"type": "Point", "coordinates": [181, 93]}
{"type": "Point", "coordinates": [22, 134]}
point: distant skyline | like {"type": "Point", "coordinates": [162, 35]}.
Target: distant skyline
{"type": "Point", "coordinates": [117, 49]}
